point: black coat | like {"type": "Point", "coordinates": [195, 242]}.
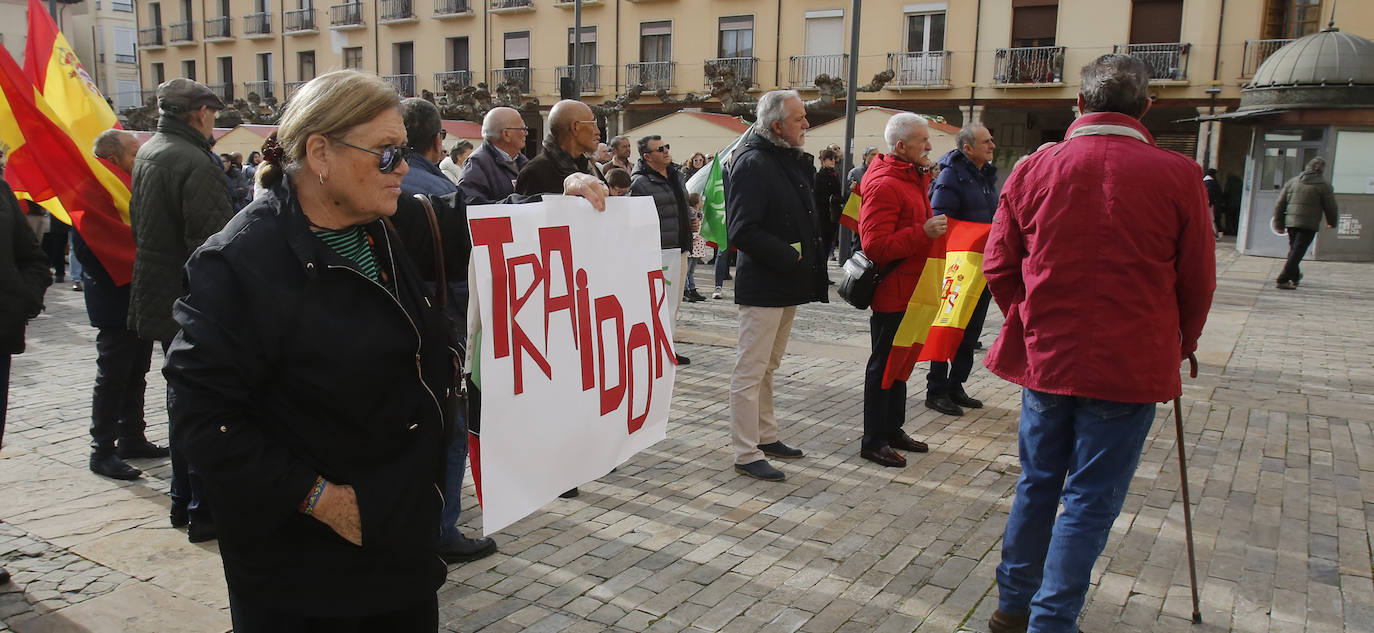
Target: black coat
{"type": "Point", "coordinates": [107, 305]}
{"type": "Point", "coordinates": [24, 273]}
{"type": "Point", "coordinates": [670, 196]}
{"type": "Point", "coordinates": [292, 364]}
{"type": "Point", "coordinates": [770, 208]}
{"type": "Point", "coordinates": [545, 174]}
{"type": "Point", "coordinates": [829, 198]}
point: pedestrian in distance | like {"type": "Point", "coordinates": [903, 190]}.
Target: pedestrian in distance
{"type": "Point", "coordinates": [1303, 202]}
{"type": "Point", "coordinates": [655, 175]}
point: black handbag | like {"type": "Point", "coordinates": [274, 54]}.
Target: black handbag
{"type": "Point", "coordinates": [861, 278]}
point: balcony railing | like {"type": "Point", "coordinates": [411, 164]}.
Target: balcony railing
{"type": "Point", "coordinates": [653, 76]}
{"type": "Point", "coordinates": [300, 20]}
{"type": "Point", "coordinates": [1256, 51]}
{"type": "Point", "coordinates": [1167, 62]}
{"type": "Point", "coordinates": [586, 77]}
{"type": "Point", "coordinates": [396, 10]}
{"type": "Point", "coordinates": [1029, 65]}
{"type": "Point", "coordinates": [224, 91]}
{"type": "Point", "coordinates": [452, 7]}
{"type": "Point", "coordinates": [262, 88]}
{"type": "Point", "coordinates": [920, 69]}
{"type": "Point", "coordinates": [126, 58]}
{"type": "Point", "coordinates": [745, 68]}
{"type": "Point", "coordinates": [404, 84]}
{"type": "Point", "coordinates": [149, 37]}
{"type": "Point", "coordinates": [349, 14]}
{"type": "Point", "coordinates": [289, 89]}
{"type": "Point", "coordinates": [257, 24]}
{"type": "Point", "coordinates": [461, 77]}
{"type": "Point", "coordinates": [517, 76]}
{"type": "Point", "coordinates": [179, 32]}
{"type": "Point", "coordinates": [805, 68]}
{"type": "Point", "coordinates": [218, 28]}
{"type": "Point", "coordinates": [122, 7]}
{"type": "Point", "coordinates": [497, 5]}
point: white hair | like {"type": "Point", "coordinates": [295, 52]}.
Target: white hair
{"type": "Point", "coordinates": [492, 124]}
{"type": "Point", "coordinates": [772, 108]}
{"type": "Point", "coordinates": [900, 127]}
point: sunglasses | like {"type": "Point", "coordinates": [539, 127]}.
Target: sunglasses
{"type": "Point", "coordinates": [662, 148]}
{"type": "Point", "coordinates": [388, 159]}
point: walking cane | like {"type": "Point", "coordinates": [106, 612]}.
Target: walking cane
{"type": "Point", "coordinates": [1187, 506]}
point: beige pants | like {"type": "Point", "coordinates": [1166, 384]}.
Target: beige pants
{"type": "Point", "coordinates": [763, 336]}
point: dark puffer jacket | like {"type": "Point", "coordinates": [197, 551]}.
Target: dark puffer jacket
{"type": "Point", "coordinates": [770, 212]}
{"type": "Point", "coordinates": [963, 191]}
{"type": "Point", "coordinates": [670, 196]}
{"type": "Point", "coordinates": [1303, 201]}
{"type": "Point", "coordinates": [24, 273]}
{"type": "Point", "coordinates": [180, 198]}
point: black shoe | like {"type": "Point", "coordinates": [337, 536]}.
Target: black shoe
{"type": "Point", "coordinates": [4, 576]}
{"type": "Point", "coordinates": [884, 455]}
{"type": "Point", "coordinates": [760, 469]}
{"type": "Point", "coordinates": [464, 549]}
{"type": "Point", "coordinates": [1286, 285]}
{"type": "Point", "coordinates": [962, 399]}
{"type": "Point", "coordinates": [140, 449]}
{"type": "Point", "coordinates": [977, 345]}
{"type": "Point", "coordinates": [689, 298]}
{"type": "Point", "coordinates": [683, 360]}
{"type": "Point", "coordinates": [1003, 623]}
{"type": "Point", "coordinates": [904, 442]}
{"type": "Point", "coordinates": [179, 516]}
{"type": "Point", "coordinates": [109, 465]}
{"type": "Point", "coordinates": [570, 494]}
{"type": "Point", "coordinates": [943, 404]}
{"type": "Point", "coordinates": [780, 450]}
{"type": "Point", "coordinates": [696, 296]}
{"type": "Point", "coordinates": [201, 532]}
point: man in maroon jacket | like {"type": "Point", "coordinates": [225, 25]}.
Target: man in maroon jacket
{"type": "Point", "coordinates": [1101, 258]}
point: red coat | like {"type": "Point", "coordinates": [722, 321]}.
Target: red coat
{"type": "Point", "coordinates": [891, 227]}
{"type": "Point", "coordinates": [1102, 259]}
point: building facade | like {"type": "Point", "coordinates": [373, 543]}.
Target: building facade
{"type": "Point", "coordinates": [103, 33]}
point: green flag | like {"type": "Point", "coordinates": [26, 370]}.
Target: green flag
{"type": "Point", "coordinates": [713, 207]}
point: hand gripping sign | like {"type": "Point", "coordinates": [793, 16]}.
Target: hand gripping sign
{"type": "Point", "coordinates": [576, 345]}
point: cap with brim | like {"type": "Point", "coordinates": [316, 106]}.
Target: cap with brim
{"type": "Point", "coordinates": [185, 95]}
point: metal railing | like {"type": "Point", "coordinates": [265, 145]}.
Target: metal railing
{"type": "Point", "coordinates": [224, 91]}
{"type": "Point", "coordinates": [263, 88]}
{"type": "Point", "coordinates": [652, 75]}
{"type": "Point", "coordinates": [805, 68]}
{"type": "Point", "coordinates": [126, 58]}
{"type": "Point", "coordinates": [587, 76]}
{"type": "Point", "coordinates": [218, 27]}
{"type": "Point", "coordinates": [392, 10]}
{"type": "Point", "coordinates": [151, 36]}
{"type": "Point", "coordinates": [517, 76]}
{"type": "Point", "coordinates": [257, 24]}
{"type": "Point", "coordinates": [512, 4]}
{"type": "Point", "coordinates": [348, 14]}
{"type": "Point", "coordinates": [289, 88]}
{"type": "Point", "coordinates": [1167, 62]}
{"type": "Point", "coordinates": [122, 7]}
{"type": "Point", "coordinates": [919, 69]}
{"type": "Point", "coordinates": [746, 69]}
{"type": "Point", "coordinates": [179, 32]}
{"type": "Point", "coordinates": [461, 77]}
{"type": "Point", "coordinates": [404, 84]}
{"type": "Point", "coordinates": [1029, 65]}
{"type": "Point", "coordinates": [298, 20]}
{"type": "Point", "coordinates": [1256, 51]}
{"type": "Point", "coordinates": [450, 7]}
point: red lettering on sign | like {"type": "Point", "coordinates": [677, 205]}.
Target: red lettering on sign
{"type": "Point", "coordinates": [520, 340]}
{"type": "Point", "coordinates": [608, 308]}
{"type": "Point", "coordinates": [557, 239]}
{"type": "Point", "coordinates": [584, 329]}
{"type": "Point", "coordinates": [495, 233]}
{"type": "Point", "coordinates": [663, 344]}
{"type": "Point", "coordinates": [639, 337]}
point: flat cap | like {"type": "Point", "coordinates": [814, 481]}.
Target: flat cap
{"type": "Point", "coordinates": [184, 95]}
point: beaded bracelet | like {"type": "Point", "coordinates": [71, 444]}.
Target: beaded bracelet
{"type": "Point", "coordinates": [308, 507]}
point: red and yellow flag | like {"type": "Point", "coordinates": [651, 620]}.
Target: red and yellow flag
{"type": "Point", "coordinates": [945, 298]}
{"type": "Point", "coordinates": [850, 217]}
{"type": "Point", "coordinates": [51, 64]}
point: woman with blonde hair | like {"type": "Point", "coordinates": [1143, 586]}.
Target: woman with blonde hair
{"type": "Point", "coordinates": [307, 377]}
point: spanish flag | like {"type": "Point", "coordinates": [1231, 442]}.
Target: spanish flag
{"type": "Point", "coordinates": [52, 66]}
{"type": "Point", "coordinates": [945, 298]}
{"type": "Point", "coordinates": [850, 217]}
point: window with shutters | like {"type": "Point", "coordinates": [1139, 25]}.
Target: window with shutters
{"type": "Point", "coordinates": [1156, 21]}
{"type": "Point", "coordinates": [353, 57]}
{"type": "Point", "coordinates": [1034, 22]}
{"type": "Point", "coordinates": [125, 45]}
{"type": "Point", "coordinates": [517, 49]}
{"type": "Point", "coordinates": [1288, 19]}
{"type": "Point", "coordinates": [656, 41]}
{"type": "Point", "coordinates": [736, 36]}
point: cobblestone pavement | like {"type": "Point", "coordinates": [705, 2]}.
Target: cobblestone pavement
{"type": "Point", "coordinates": [1281, 463]}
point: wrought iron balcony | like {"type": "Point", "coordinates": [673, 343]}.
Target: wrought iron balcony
{"type": "Point", "coordinates": [463, 79]}
{"type": "Point", "coordinates": [150, 37]}
{"type": "Point", "coordinates": [1029, 65]}
{"type": "Point", "coordinates": [396, 11]}
{"type": "Point", "coordinates": [1167, 62]}
{"type": "Point", "coordinates": [346, 15]}
{"type": "Point", "coordinates": [805, 68]}
{"type": "Point", "coordinates": [257, 24]}
{"type": "Point", "coordinates": [122, 58]}
{"type": "Point", "coordinates": [218, 28]}
{"type": "Point", "coordinates": [517, 76]}
{"type": "Point", "coordinates": [586, 77]}
{"type": "Point", "coordinates": [921, 69]}
{"type": "Point", "coordinates": [300, 21]}
{"type": "Point", "coordinates": [224, 91]}
{"type": "Point", "coordinates": [262, 88]}
{"type": "Point", "coordinates": [1256, 51]}
{"type": "Point", "coordinates": [449, 8]}
{"type": "Point", "coordinates": [122, 7]}
{"type": "Point", "coordinates": [179, 32]}
{"type": "Point", "coordinates": [289, 88]}
{"type": "Point", "coordinates": [745, 69]}
{"type": "Point", "coordinates": [404, 84]}
{"type": "Point", "coordinates": [653, 76]}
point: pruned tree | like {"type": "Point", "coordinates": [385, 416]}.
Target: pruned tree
{"type": "Point", "coordinates": [472, 102]}
{"type": "Point", "coordinates": [735, 99]}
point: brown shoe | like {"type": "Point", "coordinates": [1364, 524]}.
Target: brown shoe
{"type": "Point", "coordinates": [885, 456]}
{"type": "Point", "coordinates": [904, 442]}
{"type": "Point", "coordinates": [1003, 623]}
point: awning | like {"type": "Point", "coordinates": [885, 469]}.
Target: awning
{"type": "Point", "coordinates": [1238, 115]}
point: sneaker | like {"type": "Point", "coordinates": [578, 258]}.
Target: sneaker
{"type": "Point", "coordinates": [464, 549]}
{"type": "Point", "coordinates": [718, 294]}
{"type": "Point", "coordinates": [76, 286]}
{"type": "Point", "coordinates": [760, 469]}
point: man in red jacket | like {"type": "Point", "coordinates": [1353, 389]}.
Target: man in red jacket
{"type": "Point", "coordinates": [1102, 259]}
{"type": "Point", "coordinates": [895, 225]}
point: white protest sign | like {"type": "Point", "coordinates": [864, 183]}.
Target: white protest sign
{"type": "Point", "coordinates": [576, 358]}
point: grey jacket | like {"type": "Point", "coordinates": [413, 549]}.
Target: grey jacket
{"type": "Point", "coordinates": [1303, 201]}
{"type": "Point", "coordinates": [670, 196]}
{"type": "Point", "coordinates": [180, 198]}
{"type": "Point", "coordinates": [488, 177]}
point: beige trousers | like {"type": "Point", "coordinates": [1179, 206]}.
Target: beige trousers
{"type": "Point", "coordinates": [763, 336]}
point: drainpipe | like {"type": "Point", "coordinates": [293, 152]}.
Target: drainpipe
{"type": "Point", "coordinates": [1214, 89]}
{"type": "Point", "coordinates": [577, 50]}
{"type": "Point", "coordinates": [777, 49]}
{"type": "Point", "coordinates": [973, 81]}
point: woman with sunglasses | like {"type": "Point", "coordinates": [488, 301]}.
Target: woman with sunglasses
{"type": "Point", "coordinates": [306, 380]}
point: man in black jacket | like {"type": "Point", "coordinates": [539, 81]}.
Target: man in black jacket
{"type": "Point", "coordinates": [655, 175]}
{"type": "Point", "coordinates": [771, 215]}
{"type": "Point", "coordinates": [573, 137]}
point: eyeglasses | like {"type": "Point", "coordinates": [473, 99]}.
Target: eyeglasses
{"type": "Point", "coordinates": [518, 129]}
{"type": "Point", "coordinates": [388, 159]}
{"type": "Point", "coordinates": [661, 148]}
{"type": "Point", "coordinates": [443, 133]}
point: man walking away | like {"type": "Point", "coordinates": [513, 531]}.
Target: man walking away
{"type": "Point", "coordinates": [1298, 212]}
{"type": "Point", "coordinates": [1094, 332]}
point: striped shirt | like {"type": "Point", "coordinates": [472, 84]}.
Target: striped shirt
{"type": "Point", "coordinates": [351, 244]}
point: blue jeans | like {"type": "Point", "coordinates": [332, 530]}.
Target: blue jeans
{"type": "Point", "coordinates": [691, 284]}
{"type": "Point", "coordinates": [722, 266]}
{"type": "Point", "coordinates": [1082, 452]}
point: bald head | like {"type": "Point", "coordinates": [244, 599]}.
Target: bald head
{"type": "Point", "coordinates": [117, 146]}
{"type": "Point", "coordinates": [573, 127]}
